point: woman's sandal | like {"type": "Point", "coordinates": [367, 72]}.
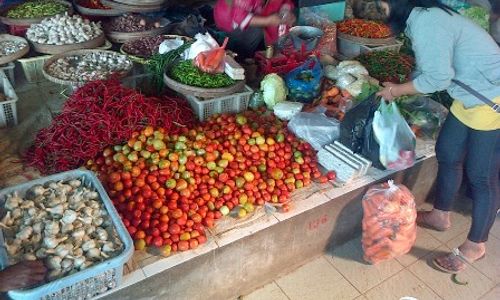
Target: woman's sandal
{"type": "Point", "coordinates": [454, 262]}
{"type": "Point", "coordinates": [423, 222]}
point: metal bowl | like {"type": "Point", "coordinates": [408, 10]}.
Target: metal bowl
{"type": "Point", "coordinates": [307, 35]}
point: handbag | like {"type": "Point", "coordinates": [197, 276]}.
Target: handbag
{"type": "Point", "coordinates": [478, 95]}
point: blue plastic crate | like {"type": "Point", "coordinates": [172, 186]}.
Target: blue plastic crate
{"type": "Point", "coordinates": [87, 283]}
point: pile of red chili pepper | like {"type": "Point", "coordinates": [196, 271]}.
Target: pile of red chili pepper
{"type": "Point", "coordinates": [99, 114]}
{"type": "Point", "coordinates": [93, 4]}
{"type": "Point", "coordinates": [388, 66]}
{"type": "Point", "coordinates": [364, 28]}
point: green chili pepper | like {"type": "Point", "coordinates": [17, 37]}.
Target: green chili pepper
{"type": "Point", "coordinates": [185, 72]}
{"type": "Point", "coordinates": [37, 9]}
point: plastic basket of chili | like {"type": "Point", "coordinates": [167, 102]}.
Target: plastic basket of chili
{"type": "Point", "coordinates": [8, 113]}
{"type": "Point", "coordinates": [228, 104]}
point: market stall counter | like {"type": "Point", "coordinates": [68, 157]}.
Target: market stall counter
{"type": "Point", "coordinates": [241, 256]}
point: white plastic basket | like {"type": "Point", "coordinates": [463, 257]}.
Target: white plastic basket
{"type": "Point", "coordinates": [8, 112]}
{"type": "Point", "coordinates": [87, 283]}
{"type": "Point", "coordinates": [9, 71]}
{"type": "Point", "coordinates": [33, 68]}
{"type": "Point", "coordinates": [350, 49]}
{"type": "Point", "coordinates": [228, 104]}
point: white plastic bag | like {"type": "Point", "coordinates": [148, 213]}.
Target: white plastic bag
{"type": "Point", "coordinates": [315, 128]}
{"type": "Point", "coordinates": [170, 44]}
{"type": "Point", "coordinates": [395, 138]}
{"type": "Point", "coordinates": [286, 110]}
{"type": "Point", "coordinates": [204, 42]}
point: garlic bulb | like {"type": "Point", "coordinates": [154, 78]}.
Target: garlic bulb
{"type": "Point", "coordinates": [69, 216]}
{"type": "Point", "coordinates": [66, 264]}
{"type": "Point", "coordinates": [51, 228]}
{"type": "Point", "coordinates": [78, 234]}
{"type": "Point", "coordinates": [12, 201]}
{"type": "Point", "coordinates": [25, 233]}
{"type": "Point", "coordinates": [54, 262]}
{"type": "Point", "coordinates": [52, 242]}
{"type": "Point", "coordinates": [67, 228]}
{"type": "Point", "coordinates": [101, 234]}
{"type": "Point", "coordinates": [93, 253]}
{"type": "Point", "coordinates": [75, 183]}
{"type": "Point", "coordinates": [89, 245]}
{"type": "Point", "coordinates": [56, 210]}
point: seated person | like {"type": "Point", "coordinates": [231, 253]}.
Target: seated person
{"type": "Point", "coordinates": [250, 22]}
{"type": "Point", "coordinates": [21, 275]}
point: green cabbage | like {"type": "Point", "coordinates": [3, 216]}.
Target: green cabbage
{"type": "Point", "coordinates": [274, 89]}
{"type": "Point", "coordinates": [478, 15]}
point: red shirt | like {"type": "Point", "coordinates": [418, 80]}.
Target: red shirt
{"type": "Point", "coordinates": [237, 14]}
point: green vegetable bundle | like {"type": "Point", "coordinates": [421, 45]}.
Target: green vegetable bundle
{"type": "Point", "coordinates": [157, 63]}
{"type": "Point", "coordinates": [187, 73]}
{"type": "Point", "coordinates": [37, 9]}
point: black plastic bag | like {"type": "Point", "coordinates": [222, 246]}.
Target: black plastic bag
{"type": "Point", "coordinates": [356, 130]}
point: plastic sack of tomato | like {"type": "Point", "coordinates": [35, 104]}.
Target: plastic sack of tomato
{"type": "Point", "coordinates": [389, 222]}
{"type": "Point", "coordinates": [304, 82]}
{"type": "Point", "coordinates": [212, 61]}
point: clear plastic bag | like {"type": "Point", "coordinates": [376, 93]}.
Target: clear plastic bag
{"type": "Point", "coordinates": [424, 115]}
{"type": "Point", "coordinates": [389, 222]}
{"type": "Point", "coordinates": [315, 128]}
{"type": "Point", "coordinates": [396, 139]}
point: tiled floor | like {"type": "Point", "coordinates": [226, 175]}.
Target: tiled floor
{"type": "Point", "coordinates": [343, 274]}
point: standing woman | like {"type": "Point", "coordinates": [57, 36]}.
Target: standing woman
{"type": "Point", "coordinates": [449, 47]}
{"type": "Point", "coordinates": [251, 22]}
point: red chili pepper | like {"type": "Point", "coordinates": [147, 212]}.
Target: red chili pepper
{"type": "Point", "coordinates": [99, 114]}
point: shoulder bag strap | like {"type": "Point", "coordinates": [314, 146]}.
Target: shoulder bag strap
{"type": "Point", "coordinates": [478, 95]}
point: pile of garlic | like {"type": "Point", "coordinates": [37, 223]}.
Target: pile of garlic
{"type": "Point", "coordinates": [63, 30]}
{"type": "Point", "coordinates": [11, 47]}
{"type": "Point", "coordinates": [62, 223]}
{"type": "Point", "coordinates": [90, 66]}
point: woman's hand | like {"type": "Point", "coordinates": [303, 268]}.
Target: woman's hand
{"type": "Point", "coordinates": [389, 92]}
{"type": "Point", "coordinates": [273, 20]}
{"type": "Point", "coordinates": [23, 274]}
{"type": "Point", "coordinates": [289, 19]}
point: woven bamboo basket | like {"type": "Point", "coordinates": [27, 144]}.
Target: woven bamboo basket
{"type": "Point", "coordinates": [54, 79]}
{"type": "Point", "coordinates": [366, 41]}
{"type": "Point", "coordinates": [132, 8]}
{"type": "Point", "coordinates": [27, 22]}
{"type": "Point", "coordinates": [204, 93]}
{"type": "Point", "coordinates": [96, 12]}
{"type": "Point", "coordinates": [57, 49]}
{"type": "Point", "coordinates": [144, 60]}
{"type": "Point", "coordinates": [12, 57]}
{"type": "Point", "coordinates": [123, 37]}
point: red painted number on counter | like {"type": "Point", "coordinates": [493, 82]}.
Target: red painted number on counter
{"type": "Point", "coordinates": [314, 224]}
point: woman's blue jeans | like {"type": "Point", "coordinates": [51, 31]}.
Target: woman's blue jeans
{"type": "Point", "coordinates": [478, 152]}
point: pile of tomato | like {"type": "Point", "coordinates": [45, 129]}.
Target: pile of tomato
{"type": "Point", "coordinates": [364, 28]}
{"type": "Point", "coordinates": [169, 188]}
